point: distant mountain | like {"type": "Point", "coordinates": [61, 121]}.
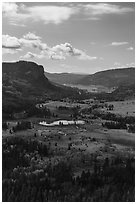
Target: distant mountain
{"type": "Point", "coordinates": [64, 78]}
{"type": "Point", "coordinates": [110, 78]}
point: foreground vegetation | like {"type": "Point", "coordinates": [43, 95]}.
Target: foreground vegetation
{"type": "Point", "coordinates": [26, 179]}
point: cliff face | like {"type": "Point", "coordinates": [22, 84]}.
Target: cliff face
{"type": "Point", "coordinates": [23, 84]}
{"type": "Point", "coordinates": [25, 80]}
{"type": "Point", "coordinates": [29, 71]}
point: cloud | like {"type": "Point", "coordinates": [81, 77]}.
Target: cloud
{"type": "Point", "coordinates": [31, 55]}
{"type": "Point", "coordinates": [67, 49]}
{"type": "Point", "coordinates": [58, 52]}
{"type": "Point", "coordinates": [97, 9]}
{"type": "Point", "coordinates": [86, 57]}
{"type": "Point", "coordinates": [15, 14]}
{"type": "Point", "coordinates": [51, 14]}
{"type": "Point", "coordinates": [47, 14]}
{"type": "Point", "coordinates": [20, 14]}
{"type": "Point", "coordinates": [28, 40]}
{"type": "Point", "coordinates": [9, 42]}
{"type": "Point", "coordinates": [57, 57]}
{"type": "Point", "coordinates": [18, 24]}
{"type": "Point", "coordinates": [31, 36]}
{"type": "Point", "coordinates": [118, 43]}
{"type": "Point", "coordinates": [9, 7]}
{"type": "Point", "coordinates": [9, 51]}
{"type": "Point", "coordinates": [130, 48]}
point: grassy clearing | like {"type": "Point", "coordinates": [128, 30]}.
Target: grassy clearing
{"type": "Point", "coordinates": [124, 108]}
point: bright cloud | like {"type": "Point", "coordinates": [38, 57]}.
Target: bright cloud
{"type": "Point", "coordinates": [58, 52]}
{"type": "Point", "coordinates": [9, 7]}
{"type": "Point", "coordinates": [14, 13]}
{"type": "Point", "coordinates": [9, 42]}
{"type": "Point", "coordinates": [19, 14]}
{"type": "Point", "coordinates": [118, 43]}
{"type": "Point", "coordinates": [51, 14]}
{"type": "Point", "coordinates": [48, 14]}
{"type": "Point", "coordinates": [104, 8]}
{"type": "Point", "coordinates": [9, 51]}
{"type": "Point", "coordinates": [67, 49]}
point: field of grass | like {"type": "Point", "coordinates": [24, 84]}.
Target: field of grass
{"type": "Point", "coordinates": [124, 108]}
{"type": "Point", "coordinates": [93, 88]}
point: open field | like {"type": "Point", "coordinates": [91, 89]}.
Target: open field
{"type": "Point", "coordinates": [92, 88]}
{"type": "Point", "coordinates": [124, 108]}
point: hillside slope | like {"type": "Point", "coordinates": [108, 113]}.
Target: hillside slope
{"type": "Point", "coordinates": [64, 78]}
{"type": "Point", "coordinates": [110, 78]}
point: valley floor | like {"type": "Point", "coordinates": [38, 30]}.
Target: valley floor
{"type": "Point", "coordinates": [79, 146]}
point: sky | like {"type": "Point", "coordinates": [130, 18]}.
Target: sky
{"type": "Point", "coordinates": [70, 37]}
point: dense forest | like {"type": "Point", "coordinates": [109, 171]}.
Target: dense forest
{"type": "Point", "coordinates": [25, 179]}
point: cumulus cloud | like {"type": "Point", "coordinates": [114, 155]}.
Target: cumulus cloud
{"type": "Point", "coordinates": [58, 52]}
{"type": "Point", "coordinates": [51, 14]}
{"type": "Point", "coordinates": [118, 43]}
{"type": "Point", "coordinates": [9, 42]}
{"type": "Point", "coordinates": [28, 40]}
{"type": "Point", "coordinates": [67, 49]}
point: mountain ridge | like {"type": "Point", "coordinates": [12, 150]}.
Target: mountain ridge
{"type": "Point", "coordinates": [103, 78]}
{"type": "Point", "coordinates": [64, 78]}
{"type": "Point", "coordinates": [110, 78]}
